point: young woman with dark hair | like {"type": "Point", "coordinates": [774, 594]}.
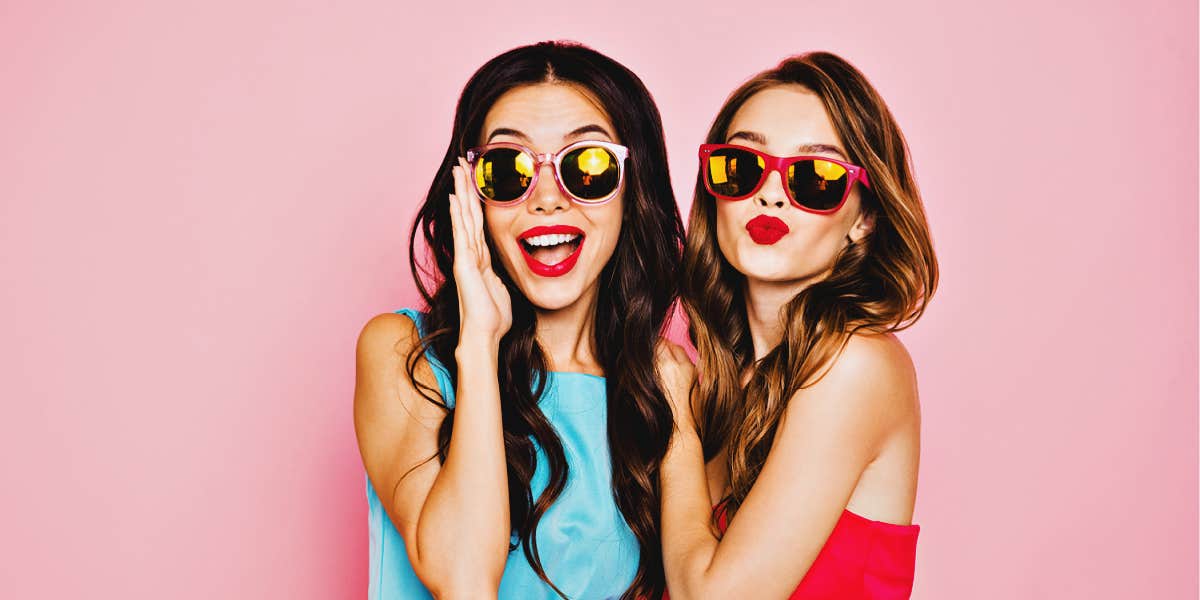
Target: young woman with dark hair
{"type": "Point", "coordinates": [521, 409]}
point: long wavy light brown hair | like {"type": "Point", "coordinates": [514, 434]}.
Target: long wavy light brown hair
{"type": "Point", "coordinates": [882, 283]}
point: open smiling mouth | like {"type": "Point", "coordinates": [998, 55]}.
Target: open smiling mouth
{"type": "Point", "coordinates": [551, 251]}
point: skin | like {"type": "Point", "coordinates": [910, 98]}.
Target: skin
{"type": "Point", "coordinates": [545, 118]}
{"type": "Point", "coordinates": [848, 442]}
{"type": "Point", "coordinates": [454, 516]}
{"type": "Point", "coordinates": [784, 121]}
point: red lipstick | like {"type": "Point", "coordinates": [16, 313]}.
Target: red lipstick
{"type": "Point", "coordinates": [557, 269]}
{"type": "Point", "coordinates": [766, 230]}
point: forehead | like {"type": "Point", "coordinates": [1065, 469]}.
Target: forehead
{"type": "Point", "coordinates": [545, 113]}
{"type": "Point", "coordinates": [788, 116]}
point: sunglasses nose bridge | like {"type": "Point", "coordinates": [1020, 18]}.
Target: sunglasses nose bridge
{"type": "Point", "coordinates": [545, 161]}
{"type": "Point", "coordinates": [772, 190]}
{"type": "Point", "coordinates": [546, 195]}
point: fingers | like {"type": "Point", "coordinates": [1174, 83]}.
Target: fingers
{"type": "Point", "coordinates": [474, 212]}
{"type": "Point", "coordinates": [458, 230]}
{"type": "Point", "coordinates": [463, 194]}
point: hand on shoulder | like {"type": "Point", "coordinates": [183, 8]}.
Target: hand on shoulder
{"type": "Point", "coordinates": [677, 375]}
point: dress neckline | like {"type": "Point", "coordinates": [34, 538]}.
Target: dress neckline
{"type": "Point", "coordinates": [846, 512]}
{"type": "Point", "coordinates": [578, 373]}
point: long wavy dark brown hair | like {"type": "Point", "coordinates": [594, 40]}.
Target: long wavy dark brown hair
{"type": "Point", "coordinates": [882, 283]}
{"type": "Point", "coordinates": [631, 310]}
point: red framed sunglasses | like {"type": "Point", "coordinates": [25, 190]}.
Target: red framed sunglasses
{"type": "Point", "coordinates": [817, 184]}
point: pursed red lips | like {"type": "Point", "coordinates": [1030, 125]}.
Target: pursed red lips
{"type": "Point", "coordinates": [561, 267]}
{"type": "Point", "coordinates": [766, 230]}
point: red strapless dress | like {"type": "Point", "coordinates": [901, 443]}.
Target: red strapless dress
{"type": "Point", "coordinates": [861, 560]}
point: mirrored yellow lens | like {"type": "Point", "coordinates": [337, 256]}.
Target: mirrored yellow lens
{"type": "Point", "coordinates": [828, 170]}
{"type": "Point", "coordinates": [817, 184]}
{"type": "Point", "coordinates": [717, 169]}
{"type": "Point", "coordinates": [483, 174]}
{"type": "Point", "coordinates": [524, 164]}
{"type": "Point", "coordinates": [503, 174]}
{"type": "Point", "coordinates": [590, 173]}
{"type": "Point", "coordinates": [594, 161]}
{"type": "Point", "coordinates": [733, 172]}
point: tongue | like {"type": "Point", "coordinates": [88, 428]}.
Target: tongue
{"type": "Point", "coordinates": [552, 255]}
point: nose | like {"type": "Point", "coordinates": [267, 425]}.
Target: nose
{"type": "Point", "coordinates": [772, 193]}
{"type": "Point", "coordinates": [546, 198]}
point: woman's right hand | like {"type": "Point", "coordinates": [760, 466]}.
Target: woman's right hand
{"type": "Point", "coordinates": [677, 375]}
{"type": "Point", "coordinates": [484, 306]}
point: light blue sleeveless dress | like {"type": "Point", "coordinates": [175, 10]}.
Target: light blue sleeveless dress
{"type": "Point", "coordinates": [587, 549]}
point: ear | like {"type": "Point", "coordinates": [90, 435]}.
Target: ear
{"type": "Point", "coordinates": [863, 225]}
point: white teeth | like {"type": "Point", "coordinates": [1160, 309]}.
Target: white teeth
{"type": "Point", "coordinates": [551, 239]}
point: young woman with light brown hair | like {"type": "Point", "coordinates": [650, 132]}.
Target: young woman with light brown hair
{"type": "Point", "coordinates": [794, 467]}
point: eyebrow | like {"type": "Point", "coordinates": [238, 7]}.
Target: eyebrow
{"type": "Point", "coordinates": [506, 131]}
{"type": "Point", "coordinates": [822, 148]}
{"type": "Point", "coordinates": [758, 138]}
{"type": "Point", "coordinates": [589, 128]}
{"type": "Point", "coordinates": [749, 136]}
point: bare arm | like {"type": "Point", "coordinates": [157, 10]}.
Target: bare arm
{"type": "Point", "coordinates": [828, 435]}
{"type": "Point", "coordinates": [454, 516]}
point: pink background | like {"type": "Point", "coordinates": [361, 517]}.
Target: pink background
{"type": "Point", "coordinates": [202, 202]}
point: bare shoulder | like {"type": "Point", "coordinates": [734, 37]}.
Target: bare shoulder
{"type": "Point", "coordinates": [872, 382]}
{"type": "Point", "coordinates": [873, 357]}
{"type": "Point", "coordinates": [385, 334]}
{"type": "Point", "coordinates": [384, 346]}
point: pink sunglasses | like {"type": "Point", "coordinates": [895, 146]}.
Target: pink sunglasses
{"type": "Point", "coordinates": [590, 172]}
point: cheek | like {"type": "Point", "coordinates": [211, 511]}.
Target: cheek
{"type": "Point", "coordinates": [497, 223]}
{"type": "Point", "coordinates": [815, 244]}
{"type": "Point", "coordinates": [607, 222]}
{"type": "Point", "coordinates": [728, 218]}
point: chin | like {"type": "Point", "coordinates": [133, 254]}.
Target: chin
{"type": "Point", "coordinates": [551, 293]}
{"type": "Point", "coordinates": [758, 262]}
{"type": "Point", "coordinates": [553, 297]}
{"type": "Point", "coordinates": [769, 266]}
{"type": "Point", "coordinates": [770, 275]}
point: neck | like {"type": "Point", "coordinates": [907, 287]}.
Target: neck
{"type": "Point", "coordinates": [566, 335]}
{"type": "Point", "coordinates": [764, 311]}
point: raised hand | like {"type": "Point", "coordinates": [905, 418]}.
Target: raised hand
{"type": "Point", "coordinates": [484, 306]}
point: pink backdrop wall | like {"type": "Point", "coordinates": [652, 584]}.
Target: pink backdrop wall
{"type": "Point", "coordinates": [202, 202]}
